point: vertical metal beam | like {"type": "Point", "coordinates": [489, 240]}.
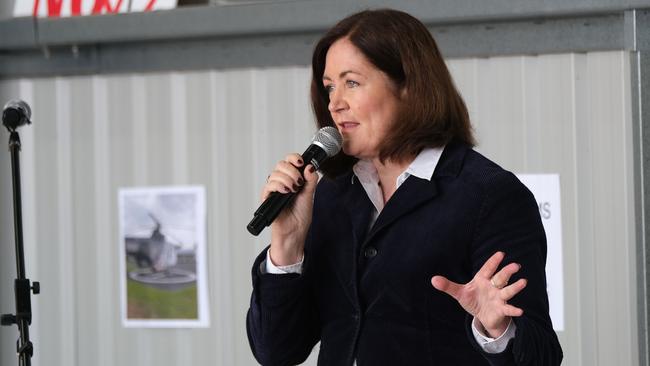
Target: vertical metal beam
{"type": "Point", "coordinates": [638, 39]}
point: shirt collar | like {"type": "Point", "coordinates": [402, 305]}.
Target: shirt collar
{"type": "Point", "coordinates": [422, 167]}
{"type": "Point", "coordinates": [425, 163]}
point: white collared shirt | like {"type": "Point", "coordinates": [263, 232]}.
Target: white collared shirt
{"type": "Point", "coordinates": [421, 167]}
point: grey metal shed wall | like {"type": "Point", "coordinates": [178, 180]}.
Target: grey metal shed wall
{"type": "Point", "coordinates": [588, 106]}
{"type": "Point", "coordinates": [567, 114]}
{"type": "Point", "coordinates": [281, 33]}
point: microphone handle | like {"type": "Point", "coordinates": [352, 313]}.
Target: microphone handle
{"type": "Point", "coordinates": [277, 201]}
{"type": "Point", "coordinates": [268, 211]}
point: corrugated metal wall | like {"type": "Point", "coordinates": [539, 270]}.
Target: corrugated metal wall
{"type": "Point", "coordinates": [566, 113]}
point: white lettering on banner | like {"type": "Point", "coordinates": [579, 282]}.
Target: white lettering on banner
{"type": "Point", "coordinates": [67, 8]}
{"type": "Point", "coordinates": [546, 189]}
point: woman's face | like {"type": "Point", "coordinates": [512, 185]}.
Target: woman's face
{"type": "Point", "coordinates": [363, 100]}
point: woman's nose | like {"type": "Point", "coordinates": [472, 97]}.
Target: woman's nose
{"type": "Point", "coordinates": [337, 102]}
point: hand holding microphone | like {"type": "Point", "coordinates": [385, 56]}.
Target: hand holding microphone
{"type": "Point", "coordinates": [289, 228]}
{"type": "Point", "coordinates": [290, 181]}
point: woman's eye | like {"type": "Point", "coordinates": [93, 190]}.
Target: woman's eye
{"type": "Point", "coordinates": [329, 88]}
{"type": "Point", "coordinates": [351, 84]}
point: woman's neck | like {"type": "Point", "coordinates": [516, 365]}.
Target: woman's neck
{"type": "Point", "coordinates": [388, 172]}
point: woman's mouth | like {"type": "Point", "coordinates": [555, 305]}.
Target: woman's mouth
{"type": "Point", "coordinates": [347, 126]}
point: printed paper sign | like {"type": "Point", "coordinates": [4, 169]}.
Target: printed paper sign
{"type": "Point", "coordinates": [162, 257]}
{"type": "Point", "coordinates": [546, 189]}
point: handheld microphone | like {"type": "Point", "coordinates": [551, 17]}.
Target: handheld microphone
{"type": "Point", "coordinates": [325, 144]}
{"type": "Point", "coordinates": [15, 114]}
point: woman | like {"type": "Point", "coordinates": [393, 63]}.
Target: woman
{"type": "Point", "coordinates": [414, 249]}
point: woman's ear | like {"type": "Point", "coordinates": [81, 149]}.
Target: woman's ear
{"type": "Point", "coordinates": [402, 93]}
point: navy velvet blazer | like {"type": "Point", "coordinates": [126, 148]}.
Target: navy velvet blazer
{"type": "Point", "coordinates": [366, 294]}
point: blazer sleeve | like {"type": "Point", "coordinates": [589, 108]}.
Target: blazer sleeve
{"type": "Point", "coordinates": [509, 221]}
{"type": "Point", "coordinates": [282, 322]}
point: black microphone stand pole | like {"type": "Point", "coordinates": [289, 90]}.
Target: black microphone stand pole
{"type": "Point", "coordinates": [22, 287]}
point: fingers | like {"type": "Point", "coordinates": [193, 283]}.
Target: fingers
{"type": "Point", "coordinates": [288, 174]}
{"type": "Point", "coordinates": [512, 311]}
{"type": "Point", "coordinates": [501, 278]}
{"type": "Point", "coordinates": [285, 177]}
{"type": "Point", "coordinates": [294, 159]}
{"type": "Point", "coordinates": [491, 265]}
{"type": "Point", "coordinates": [310, 174]}
{"type": "Point", "coordinates": [311, 177]}
{"type": "Point", "coordinates": [451, 288]}
{"type": "Point", "coordinates": [509, 292]}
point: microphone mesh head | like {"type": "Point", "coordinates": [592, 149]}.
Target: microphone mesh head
{"type": "Point", "coordinates": [19, 104]}
{"type": "Point", "coordinates": [329, 139]}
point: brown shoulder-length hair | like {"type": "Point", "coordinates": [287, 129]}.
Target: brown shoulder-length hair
{"type": "Point", "coordinates": [432, 112]}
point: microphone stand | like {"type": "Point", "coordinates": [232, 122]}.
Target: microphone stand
{"type": "Point", "coordinates": [22, 287]}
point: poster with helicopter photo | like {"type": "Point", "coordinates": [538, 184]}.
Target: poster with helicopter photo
{"type": "Point", "coordinates": [163, 257]}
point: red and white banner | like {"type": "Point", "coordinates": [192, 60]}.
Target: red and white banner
{"type": "Point", "coordinates": [67, 8]}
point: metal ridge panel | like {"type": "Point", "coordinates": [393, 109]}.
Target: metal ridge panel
{"type": "Point", "coordinates": [278, 17]}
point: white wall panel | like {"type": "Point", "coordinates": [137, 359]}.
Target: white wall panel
{"type": "Point", "coordinates": [565, 113]}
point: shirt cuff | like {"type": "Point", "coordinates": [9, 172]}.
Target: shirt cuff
{"type": "Point", "coordinates": [494, 345]}
{"type": "Point", "coordinates": [267, 266]}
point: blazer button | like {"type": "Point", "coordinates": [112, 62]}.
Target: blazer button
{"type": "Point", "coordinates": [370, 252]}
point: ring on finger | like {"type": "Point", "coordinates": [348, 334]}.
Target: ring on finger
{"type": "Point", "coordinates": [495, 285]}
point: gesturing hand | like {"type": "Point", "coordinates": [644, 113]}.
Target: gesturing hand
{"type": "Point", "coordinates": [486, 295]}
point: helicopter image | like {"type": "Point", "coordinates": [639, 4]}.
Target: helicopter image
{"type": "Point", "coordinates": [159, 259]}
{"type": "Point", "coordinates": [162, 246]}
{"type": "Point", "coordinates": [154, 252]}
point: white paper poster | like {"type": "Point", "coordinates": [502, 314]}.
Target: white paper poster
{"type": "Point", "coordinates": [163, 257]}
{"type": "Point", "coordinates": [546, 189]}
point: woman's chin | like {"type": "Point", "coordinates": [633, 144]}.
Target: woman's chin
{"type": "Point", "coordinates": [350, 151]}
{"type": "Point", "coordinates": [346, 149]}
{"type": "Point", "coordinates": [357, 151]}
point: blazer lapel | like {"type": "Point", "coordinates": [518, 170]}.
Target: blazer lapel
{"type": "Point", "coordinates": [415, 192]}
{"type": "Point", "coordinates": [359, 209]}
